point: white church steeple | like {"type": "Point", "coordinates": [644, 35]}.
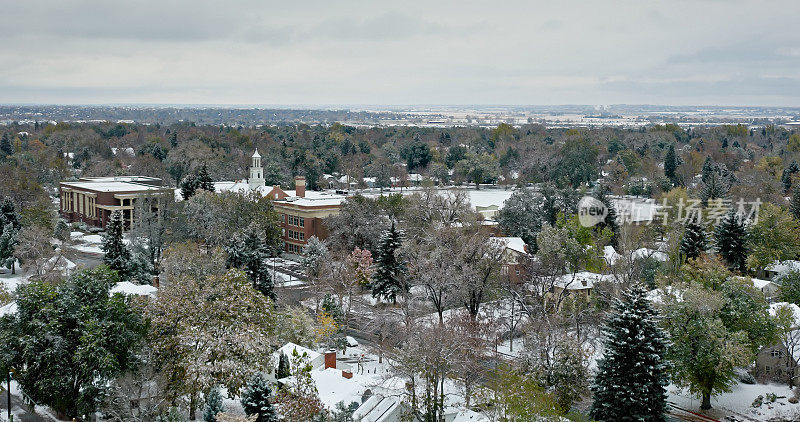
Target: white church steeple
{"type": "Point", "coordinates": [256, 179]}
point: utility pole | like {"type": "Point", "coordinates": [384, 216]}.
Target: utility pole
{"type": "Point", "coordinates": [8, 393]}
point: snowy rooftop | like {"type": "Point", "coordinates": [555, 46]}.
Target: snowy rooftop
{"type": "Point", "coordinates": [783, 267]}
{"type": "Point", "coordinates": [514, 243]}
{"type": "Point", "coordinates": [581, 280]}
{"type": "Point", "coordinates": [377, 408]}
{"type": "Point", "coordinates": [128, 288]}
{"type": "Point", "coordinates": [112, 186]}
{"type": "Point", "coordinates": [9, 309]}
{"type": "Point", "coordinates": [287, 349]}
{"type": "Point", "coordinates": [612, 256]}
{"type": "Point", "coordinates": [636, 209]}
{"type": "Point", "coordinates": [773, 308]}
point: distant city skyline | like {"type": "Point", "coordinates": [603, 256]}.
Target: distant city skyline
{"type": "Point", "coordinates": [416, 53]}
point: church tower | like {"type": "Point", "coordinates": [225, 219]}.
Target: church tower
{"type": "Point", "coordinates": [256, 179]}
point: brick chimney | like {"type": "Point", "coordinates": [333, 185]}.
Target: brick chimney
{"type": "Point", "coordinates": [156, 281]}
{"type": "Point", "coordinates": [300, 186]}
{"type": "Point", "coordinates": [330, 360]}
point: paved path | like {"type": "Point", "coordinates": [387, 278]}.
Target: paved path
{"type": "Point", "coordinates": [18, 409]}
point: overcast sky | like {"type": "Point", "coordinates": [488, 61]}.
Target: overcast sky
{"type": "Point", "coordinates": [726, 52]}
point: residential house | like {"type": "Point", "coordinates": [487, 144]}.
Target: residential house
{"type": "Point", "coordinates": [575, 287]}
{"type": "Point", "coordinates": [780, 268]}
{"type": "Point", "coordinates": [779, 362]}
{"type": "Point", "coordinates": [516, 258]}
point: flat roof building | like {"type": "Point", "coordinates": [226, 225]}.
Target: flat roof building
{"type": "Point", "coordinates": [91, 200]}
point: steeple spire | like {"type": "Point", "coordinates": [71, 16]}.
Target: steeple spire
{"type": "Point", "coordinates": [256, 179]}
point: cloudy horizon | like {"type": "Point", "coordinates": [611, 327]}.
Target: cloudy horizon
{"type": "Point", "coordinates": [707, 52]}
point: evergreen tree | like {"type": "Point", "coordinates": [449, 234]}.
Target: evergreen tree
{"type": "Point", "coordinates": [729, 237]}
{"type": "Point", "coordinates": [387, 281]}
{"type": "Point", "coordinates": [610, 220]}
{"type": "Point", "coordinates": [724, 143]}
{"type": "Point", "coordinates": [283, 367]}
{"type": "Point", "coordinates": [249, 252]}
{"type": "Point", "coordinates": [117, 256]}
{"type": "Point", "coordinates": [204, 180]}
{"type": "Point", "coordinates": [708, 168]}
{"type": "Point", "coordinates": [256, 400]}
{"type": "Point", "coordinates": [632, 374]}
{"type": "Point", "coordinates": [671, 164]}
{"type": "Point", "coordinates": [9, 239]}
{"type": "Point", "coordinates": [794, 204]}
{"type": "Point", "coordinates": [213, 405]}
{"type": "Point", "coordinates": [188, 186]}
{"type": "Point", "coordinates": [8, 214]}
{"type": "Point", "coordinates": [714, 186]}
{"type": "Point", "coordinates": [344, 413]}
{"type": "Point", "coordinates": [6, 148]}
{"type": "Point", "coordinates": [173, 139]}
{"type": "Point", "coordinates": [788, 172]}
{"type": "Point", "coordinates": [9, 233]}
{"type": "Point", "coordinates": [694, 240]}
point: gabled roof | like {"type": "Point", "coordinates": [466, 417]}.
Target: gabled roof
{"type": "Point", "coordinates": [581, 280]}
{"type": "Point", "coordinates": [289, 347]}
{"type": "Point", "coordinates": [514, 243]}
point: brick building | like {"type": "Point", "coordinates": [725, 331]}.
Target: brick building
{"type": "Point", "coordinates": [91, 200]}
{"type": "Point", "coordinates": [302, 214]}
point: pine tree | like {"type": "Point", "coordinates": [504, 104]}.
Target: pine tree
{"type": "Point", "coordinates": [794, 205]}
{"type": "Point", "coordinates": [729, 238]}
{"type": "Point", "coordinates": [8, 213]}
{"type": "Point", "coordinates": [213, 405]}
{"type": "Point", "coordinates": [694, 240]}
{"type": "Point", "coordinates": [387, 281]}
{"type": "Point", "coordinates": [788, 172]}
{"type": "Point", "coordinates": [9, 233]}
{"type": "Point", "coordinates": [117, 256]}
{"type": "Point", "coordinates": [188, 186]}
{"type": "Point", "coordinates": [671, 164]}
{"type": "Point", "coordinates": [256, 400]}
{"type": "Point", "coordinates": [610, 221]}
{"type": "Point", "coordinates": [6, 148]}
{"type": "Point", "coordinates": [714, 186]}
{"type": "Point", "coordinates": [708, 167]}
{"type": "Point", "coordinates": [249, 252]}
{"type": "Point", "coordinates": [9, 239]}
{"type": "Point", "coordinates": [283, 367]}
{"type": "Point", "coordinates": [204, 180]}
{"type": "Point", "coordinates": [631, 381]}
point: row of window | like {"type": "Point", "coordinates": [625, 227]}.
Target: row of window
{"type": "Point", "coordinates": [296, 221]}
{"type": "Point", "coordinates": [296, 235]}
{"type": "Point", "coordinates": [292, 248]}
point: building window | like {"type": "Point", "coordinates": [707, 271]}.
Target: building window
{"type": "Point", "coordinates": [301, 222]}
{"type": "Point", "coordinates": [302, 236]}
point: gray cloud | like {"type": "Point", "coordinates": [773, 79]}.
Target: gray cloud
{"type": "Point", "coordinates": [511, 52]}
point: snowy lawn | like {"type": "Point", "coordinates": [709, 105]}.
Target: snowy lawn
{"type": "Point", "coordinates": [740, 400]}
{"type": "Point", "coordinates": [11, 281]}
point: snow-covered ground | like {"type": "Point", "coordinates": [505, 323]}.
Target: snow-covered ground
{"type": "Point", "coordinates": [11, 281]}
{"type": "Point", "coordinates": [740, 400]}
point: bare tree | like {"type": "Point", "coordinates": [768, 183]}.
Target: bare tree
{"type": "Point", "coordinates": [34, 248]}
